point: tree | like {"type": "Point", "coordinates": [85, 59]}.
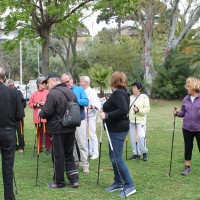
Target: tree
{"type": "Point", "coordinates": [100, 76]}
{"type": "Point", "coordinates": [191, 12]}
{"type": "Point", "coordinates": [36, 18]}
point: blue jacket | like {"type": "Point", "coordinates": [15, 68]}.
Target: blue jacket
{"type": "Point", "coordinates": [82, 99]}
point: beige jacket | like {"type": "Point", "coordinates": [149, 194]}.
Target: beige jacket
{"type": "Point", "coordinates": [142, 103]}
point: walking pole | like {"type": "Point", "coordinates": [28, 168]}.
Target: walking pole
{"type": "Point", "coordinates": [111, 147]}
{"type": "Point", "coordinates": [21, 131]}
{"type": "Point", "coordinates": [126, 147]}
{"type": "Point", "coordinates": [16, 192]}
{"type": "Point", "coordinates": [34, 148]}
{"type": "Point", "coordinates": [88, 127]}
{"type": "Point", "coordinates": [100, 153]}
{"type": "Point", "coordinates": [136, 138]}
{"type": "Point", "coordinates": [38, 155]}
{"type": "Point", "coordinates": [170, 166]}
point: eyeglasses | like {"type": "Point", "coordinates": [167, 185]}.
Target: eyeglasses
{"type": "Point", "coordinates": [11, 85]}
{"type": "Point", "coordinates": [42, 83]}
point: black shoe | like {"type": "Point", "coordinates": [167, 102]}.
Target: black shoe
{"type": "Point", "coordinates": [55, 186]}
{"type": "Point", "coordinates": [135, 157]}
{"type": "Point", "coordinates": [145, 158]}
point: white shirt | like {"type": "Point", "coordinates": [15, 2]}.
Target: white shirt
{"type": "Point", "coordinates": [94, 101]}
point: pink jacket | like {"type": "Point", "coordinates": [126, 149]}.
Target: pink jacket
{"type": "Point", "coordinates": [37, 97]}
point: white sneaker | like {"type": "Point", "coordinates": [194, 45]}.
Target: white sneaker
{"type": "Point", "coordinates": [95, 156]}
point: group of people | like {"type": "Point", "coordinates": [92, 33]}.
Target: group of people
{"type": "Point", "coordinates": [72, 147]}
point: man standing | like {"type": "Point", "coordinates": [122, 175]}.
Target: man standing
{"type": "Point", "coordinates": [80, 131]}
{"type": "Point", "coordinates": [20, 123]}
{"type": "Point", "coordinates": [62, 137]}
{"type": "Point", "coordinates": [91, 113]}
{"type": "Point", "coordinates": [10, 112]}
{"type": "Point", "coordinates": [36, 101]}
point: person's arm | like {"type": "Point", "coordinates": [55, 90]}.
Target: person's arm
{"type": "Point", "coordinates": [83, 99]}
{"type": "Point", "coordinates": [96, 103]}
{"type": "Point", "coordinates": [145, 106]}
{"type": "Point", "coordinates": [122, 108]}
{"type": "Point", "coordinates": [48, 110]}
{"type": "Point", "coordinates": [19, 108]}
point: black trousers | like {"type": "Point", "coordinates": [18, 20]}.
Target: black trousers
{"type": "Point", "coordinates": [188, 141]}
{"type": "Point", "coordinates": [63, 158]}
{"type": "Point", "coordinates": [20, 133]}
{"type": "Point", "coordinates": [8, 145]}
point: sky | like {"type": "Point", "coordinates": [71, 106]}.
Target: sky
{"type": "Point", "coordinates": [93, 27]}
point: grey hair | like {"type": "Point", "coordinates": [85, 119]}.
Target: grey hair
{"type": "Point", "coordinates": [2, 73]}
{"type": "Point", "coordinates": [67, 74]}
{"type": "Point", "coordinates": [8, 81]}
{"type": "Point", "coordinates": [85, 78]}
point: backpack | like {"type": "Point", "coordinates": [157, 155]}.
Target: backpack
{"type": "Point", "coordinates": [72, 116]}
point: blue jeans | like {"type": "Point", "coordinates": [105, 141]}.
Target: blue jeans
{"type": "Point", "coordinates": [117, 140]}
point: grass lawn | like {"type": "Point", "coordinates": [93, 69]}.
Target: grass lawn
{"type": "Point", "coordinates": [150, 178]}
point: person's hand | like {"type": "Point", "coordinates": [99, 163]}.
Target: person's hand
{"type": "Point", "coordinates": [175, 111]}
{"type": "Point", "coordinates": [102, 115]}
{"type": "Point", "coordinates": [42, 103]}
{"type": "Point", "coordinates": [135, 109]}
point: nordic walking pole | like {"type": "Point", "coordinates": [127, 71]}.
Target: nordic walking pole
{"type": "Point", "coordinates": [21, 131]}
{"type": "Point", "coordinates": [126, 147]}
{"type": "Point", "coordinates": [170, 166]}
{"type": "Point", "coordinates": [16, 191]}
{"type": "Point", "coordinates": [38, 155]}
{"type": "Point", "coordinates": [136, 138]}
{"type": "Point", "coordinates": [100, 153]}
{"type": "Point", "coordinates": [36, 133]}
{"type": "Point", "coordinates": [88, 128]}
{"type": "Point", "coordinates": [111, 147]}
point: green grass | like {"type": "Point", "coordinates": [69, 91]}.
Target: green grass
{"type": "Point", "coordinates": [150, 178]}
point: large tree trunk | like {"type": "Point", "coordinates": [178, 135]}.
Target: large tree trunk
{"type": "Point", "coordinates": [148, 58]}
{"type": "Point", "coordinates": [45, 52]}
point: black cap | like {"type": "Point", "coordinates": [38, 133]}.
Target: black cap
{"type": "Point", "coordinates": [51, 75]}
{"type": "Point", "coordinates": [138, 85]}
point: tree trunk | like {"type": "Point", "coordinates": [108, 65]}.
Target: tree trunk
{"type": "Point", "coordinates": [45, 52]}
{"type": "Point", "coordinates": [148, 44]}
{"type": "Point", "coordinates": [148, 59]}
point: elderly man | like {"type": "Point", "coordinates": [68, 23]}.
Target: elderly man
{"type": "Point", "coordinates": [11, 111]}
{"type": "Point", "coordinates": [20, 123]}
{"type": "Point", "coordinates": [91, 113]}
{"type": "Point", "coordinates": [80, 131]}
{"type": "Point", "coordinates": [62, 137]}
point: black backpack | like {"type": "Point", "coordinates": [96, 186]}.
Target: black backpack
{"type": "Point", "coordinates": [72, 116]}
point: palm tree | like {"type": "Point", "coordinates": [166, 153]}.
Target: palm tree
{"type": "Point", "coordinates": [100, 76]}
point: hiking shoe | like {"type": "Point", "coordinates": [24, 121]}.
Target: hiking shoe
{"type": "Point", "coordinates": [114, 187]}
{"type": "Point", "coordinates": [127, 192]}
{"type": "Point", "coordinates": [74, 185]}
{"type": "Point", "coordinates": [95, 156]}
{"type": "Point", "coordinates": [86, 169]}
{"type": "Point", "coordinates": [145, 158]}
{"type": "Point", "coordinates": [54, 185]}
{"type": "Point", "coordinates": [135, 157]}
{"type": "Point", "coordinates": [186, 171]}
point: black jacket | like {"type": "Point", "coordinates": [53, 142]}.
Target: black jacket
{"type": "Point", "coordinates": [56, 103]}
{"type": "Point", "coordinates": [117, 108]}
{"type": "Point", "coordinates": [11, 109]}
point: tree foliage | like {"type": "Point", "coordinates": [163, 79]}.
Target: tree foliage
{"type": "Point", "coordinates": [36, 18]}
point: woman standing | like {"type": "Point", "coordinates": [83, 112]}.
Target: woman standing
{"type": "Point", "coordinates": [115, 113]}
{"type": "Point", "coordinates": [190, 110]}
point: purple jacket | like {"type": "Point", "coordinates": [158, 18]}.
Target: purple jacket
{"type": "Point", "coordinates": [191, 113]}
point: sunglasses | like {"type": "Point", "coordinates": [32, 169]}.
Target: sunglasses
{"type": "Point", "coordinates": [11, 85]}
